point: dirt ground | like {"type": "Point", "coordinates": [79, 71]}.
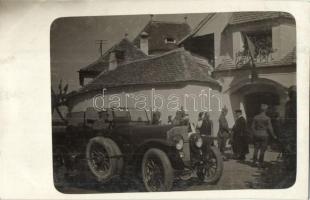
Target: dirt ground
{"type": "Point", "coordinates": [236, 175]}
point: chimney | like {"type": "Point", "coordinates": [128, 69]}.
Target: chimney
{"type": "Point", "coordinates": [185, 19]}
{"type": "Point", "coordinates": [112, 61]}
{"type": "Point", "coordinates": [144, 42]}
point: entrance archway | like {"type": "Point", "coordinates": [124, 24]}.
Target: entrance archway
{"type": "Point", "coordinates": [253, 101]}
{"type": "Point", "coordinates": [251, 94]}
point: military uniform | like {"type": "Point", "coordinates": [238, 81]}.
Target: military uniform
{"type": "Point", "coordinates": [261, 126]}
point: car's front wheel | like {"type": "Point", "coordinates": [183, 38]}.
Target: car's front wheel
{"type": "Point", "coordinates": [212, 168]}
{"type": "Point", "coordinates": [157, 172]}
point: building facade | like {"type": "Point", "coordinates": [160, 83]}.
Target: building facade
{"type": "Point", "coordinates": [273, 36]}
{"type": "Point", "coordinates": [163, 83]}
{"type": "Point", "coordinates": [166, 60]}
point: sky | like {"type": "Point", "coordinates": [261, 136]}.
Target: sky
{"type": "Point", "coordinates": [73, 40]}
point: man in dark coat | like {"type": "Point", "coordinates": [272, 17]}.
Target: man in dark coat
{"type": "Point", "coordinates": [240, 137]}
{"type": "Point", "coordinates": [207, 125]}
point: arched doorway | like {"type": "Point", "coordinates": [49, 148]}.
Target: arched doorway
{"type": "Point", "coordinates": [251, 94]}
{"type": "Point", "coordinates": [253, 101]}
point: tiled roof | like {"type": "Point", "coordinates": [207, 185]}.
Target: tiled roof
{"type": "Point", "coordinates": [243, 17]}
{"type": "Point", "coordinates": [173, 67]}
{"type": "Point", "coordinates": [130, 51]}
{"type": "Point", "coordinates": [289, 59]}
{"type": "Point", "coordinates": [158, 31]}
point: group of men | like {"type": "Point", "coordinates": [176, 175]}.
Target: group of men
{"type": "Point", "coordinates": [239, 134]}
{"type": "Point", "coordinates": [263, 127]}
{"type": "Point", "coordinates": [181, 118]}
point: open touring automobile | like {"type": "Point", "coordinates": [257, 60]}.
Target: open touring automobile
{"type": "Point", "coordinates": [111, 141]}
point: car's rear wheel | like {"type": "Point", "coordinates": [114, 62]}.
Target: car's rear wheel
{"type": "Point", "coordinates": [212, 168]}
{"type": "Point", "coordinates": [157, 172]}
{"type": "Point", "coordinates": [104, 158]}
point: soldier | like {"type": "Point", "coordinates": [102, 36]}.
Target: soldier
{"type": "Point", "coordinates": [261, 127]}
{"type": "Point", "coordinates": [240, 136]}
{"type": "Point", "coordinates": [223, 133]}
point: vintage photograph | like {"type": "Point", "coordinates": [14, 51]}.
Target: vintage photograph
{"type": "Point", "coordinates": [174, 102]}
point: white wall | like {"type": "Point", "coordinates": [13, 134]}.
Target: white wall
{"type": "Point", "coordinates": [283, 39]}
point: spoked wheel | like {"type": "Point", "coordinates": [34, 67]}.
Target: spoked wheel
{"type": "Point", "coordinates": [99, 159]}
{"type": "Point", "coordinates": [157, 172]}
{"type": "Point", "coordinates": [212, 168]}
{"type": "Point", "coordinates": [104, 158]}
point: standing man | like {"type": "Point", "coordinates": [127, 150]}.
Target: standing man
{"type": "Point", "coordinates": [199, 121]}
{"type": "Point", "coordinates": [156, 117]}
{"type": "Point", "coordinates": [240, 136]}
{"type": "Point", "coordinates": [223, 133]}
{"type": "Point", "coordinates": [261, 127]}
{"type": "Point", "coordinates": [206, 127]}
{"type": "Point", "coordinates": [179, 117]}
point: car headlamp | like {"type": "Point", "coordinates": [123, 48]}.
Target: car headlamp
{"type": "Point", "coordinates": [198, 142]}
{"type": "Point", "coordinates": [179, 142]}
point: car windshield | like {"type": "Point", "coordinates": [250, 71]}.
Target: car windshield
{"type": "Point", "coordinates": [125, 115]}
{"type": "Point", "coordinates": [138, 115]}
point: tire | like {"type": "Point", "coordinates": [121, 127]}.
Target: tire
{"type": "Point", "coordinates": [156, 163]}
{"type": "Point", "coordinates": [213, 163]}
{"type": "Point", "coordinates": [104, 158]}
{"type": "Point", "coordinates": [119, 158]}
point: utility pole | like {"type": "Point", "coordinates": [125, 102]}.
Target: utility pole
{"type": "Point", "coordinates": [101, 42]}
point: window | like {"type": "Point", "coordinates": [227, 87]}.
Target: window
{"type": "Point", "coordinates": [170, 40]}
{"type": "Point", "coordinates": [263, 51]}
{"type": "Point", "coordinates": [262, 41]}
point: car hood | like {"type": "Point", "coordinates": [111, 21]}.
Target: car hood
{"type": "Point", "coordinates": [140, 133]}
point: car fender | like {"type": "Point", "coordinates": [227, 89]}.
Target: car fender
{"type": "Point", "coordinates": [166, 146]}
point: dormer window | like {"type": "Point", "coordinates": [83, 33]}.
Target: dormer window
{"type": "Point", "coordinates": [170, 40]}
{"type": "Point", "coordinates": [262, 40]}
{"type": "Point", "coordinates": [262, 52]}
